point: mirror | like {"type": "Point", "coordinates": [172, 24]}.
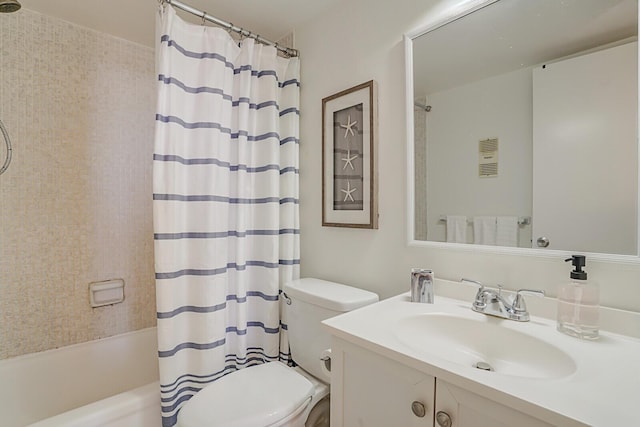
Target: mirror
{"type": "Point", "coordinates": [525, 127]}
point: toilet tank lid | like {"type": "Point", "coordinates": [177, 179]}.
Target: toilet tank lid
{"type": "Point", "coordinates": [330, 295]}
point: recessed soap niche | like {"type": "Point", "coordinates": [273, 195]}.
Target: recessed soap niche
{"type": "Point", "coordinates": [107, 292]}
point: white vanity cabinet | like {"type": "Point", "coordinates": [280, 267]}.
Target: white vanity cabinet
{"type": "Point", "coordinates": [467, 409]}
{"type": "Point", "coordinates": [388, 355]}
{"type": "Point", "coordinates": [370, 390]}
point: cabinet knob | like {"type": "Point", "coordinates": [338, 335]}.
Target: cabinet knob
{"type": "Point", "coordinates": [443, 419]}
{"type": "Point", "coordinates": [418, 409]}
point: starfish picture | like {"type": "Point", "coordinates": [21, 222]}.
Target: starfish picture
{"type": "Point", "coordinates": [347, 160]}
{"type": "Point", "coordinates": [347, 192]}
{"type": "Point", "coordinates": [349, 126]}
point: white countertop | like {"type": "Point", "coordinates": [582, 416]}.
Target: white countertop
{"type": "Point", "coordinates": [603, 391]}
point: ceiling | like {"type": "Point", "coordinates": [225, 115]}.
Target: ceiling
{"type": "Point", "coordinates": [135, 19]}
{"type": "Point", "coordinates": [515, 34]}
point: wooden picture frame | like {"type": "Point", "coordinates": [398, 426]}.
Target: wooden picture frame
{"type": "Point", "coordinates": [349, 151]}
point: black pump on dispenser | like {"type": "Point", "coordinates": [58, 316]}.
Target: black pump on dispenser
{"type": "Point", "coordinates": [578, 303]}
{"type": "Point", "coordinates": [578, 261]}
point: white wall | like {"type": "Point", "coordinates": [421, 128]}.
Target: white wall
{"type": "Point", "coordinates": [362, 40]}
{"type": "Point", "coordinates": [497, 107]}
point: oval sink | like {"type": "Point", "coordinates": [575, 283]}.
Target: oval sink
{"type": "Point", "coordinates": [469, 341]}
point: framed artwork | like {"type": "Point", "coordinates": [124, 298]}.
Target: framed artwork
{"type": "Point", "coordinates": [349, 172]}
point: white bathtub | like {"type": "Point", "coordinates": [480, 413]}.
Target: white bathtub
{"type": "Point", "coordinates": [139, 407]}
{"type": "Point", "coordinates": [107, 382]}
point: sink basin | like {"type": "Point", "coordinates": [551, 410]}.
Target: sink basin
{"type": "Point", "coordinates": [484, 340]}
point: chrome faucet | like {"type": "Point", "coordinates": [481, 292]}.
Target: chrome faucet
{"type": "Point", "coordinates": [422, 285]}
{"type": "Point", "coordinates": [492, 303]}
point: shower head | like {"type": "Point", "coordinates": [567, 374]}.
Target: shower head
{"type": "Point", "coordinates": [8, 6]}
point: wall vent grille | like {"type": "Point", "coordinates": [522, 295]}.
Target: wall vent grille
{"type": "Point", "coordinates": [488, 158]}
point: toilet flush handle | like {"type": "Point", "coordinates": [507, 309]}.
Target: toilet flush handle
{"type": "Point", "coordinates": [327, 362]}
{"type": "Point", "coordinates": [286, 298]}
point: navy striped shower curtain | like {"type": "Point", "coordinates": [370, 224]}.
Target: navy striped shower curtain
{"type": "Point", "coordinates": [225, 204]}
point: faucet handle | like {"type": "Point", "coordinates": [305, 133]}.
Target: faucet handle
{"type": "Point", "coordinates": [518, 302]}
{"type": "Point", "coordinates": [480, 297]}
{"type": "Point", "coordinates": [475, 282]}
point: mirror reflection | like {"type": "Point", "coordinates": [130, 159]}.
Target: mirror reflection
{"type": "Point", "coordinates": [525, 128]}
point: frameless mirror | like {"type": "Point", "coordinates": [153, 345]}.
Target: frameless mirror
{"type": "Point", "coordinates": [525, 127]}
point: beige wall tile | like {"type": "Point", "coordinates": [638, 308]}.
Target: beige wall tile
{"type": "Point", "coordinates": [75, 204]}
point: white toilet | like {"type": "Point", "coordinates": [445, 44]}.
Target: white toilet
{"type": "Point", "coordinates": [273, 394]}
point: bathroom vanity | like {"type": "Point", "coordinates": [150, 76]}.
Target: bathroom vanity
{"type": "Point", "coordinates": [398, 363]}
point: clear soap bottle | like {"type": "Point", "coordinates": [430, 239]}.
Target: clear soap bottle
{"type": "Point", "coordinates": [579, 303]}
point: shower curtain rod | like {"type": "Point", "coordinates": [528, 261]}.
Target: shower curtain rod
{"type": "Point", "coordinates": [244, 33]}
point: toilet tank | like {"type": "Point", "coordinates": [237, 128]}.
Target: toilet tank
{"type": "Point", "coordinates": [311, 302]}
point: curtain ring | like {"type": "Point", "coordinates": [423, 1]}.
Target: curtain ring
{"type": "Point", "coordinates": [204, 20]}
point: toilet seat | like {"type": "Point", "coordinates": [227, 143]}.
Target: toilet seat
{"type": "Point", "coordinates": [260, 395]}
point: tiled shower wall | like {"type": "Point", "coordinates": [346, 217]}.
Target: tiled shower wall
{"type": "Point", "coordinates": [420, 170]}
{"type": "Point", "coordinates": [75, 204]}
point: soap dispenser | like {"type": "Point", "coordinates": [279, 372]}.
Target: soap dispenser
{"type": "Point", "coordinates": [579, 303]}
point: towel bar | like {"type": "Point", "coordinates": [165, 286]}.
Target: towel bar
{"type": "Point", "coordinates": [523, 220]}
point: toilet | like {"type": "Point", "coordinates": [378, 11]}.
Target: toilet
{"type": "Point", "coordinates": [274, 394]}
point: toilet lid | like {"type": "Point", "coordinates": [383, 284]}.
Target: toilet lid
{"type": "Point", "coordinates": [259, 395]}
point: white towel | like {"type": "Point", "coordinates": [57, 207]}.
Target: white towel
{"type": "Point", "coordinates": [456, 229]}
{"type": "Point", "coordinates": [507, 231]}
{"type": "Point", "coordinates": [484, 230]}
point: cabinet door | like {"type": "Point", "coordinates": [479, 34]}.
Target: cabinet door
{"type": "Point", "coordinates": [466, 409]}
{"type": "Point", "coordinates": [368, 390]}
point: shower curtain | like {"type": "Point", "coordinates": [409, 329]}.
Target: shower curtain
{"type": "Point", "coordinates": [225, 204]}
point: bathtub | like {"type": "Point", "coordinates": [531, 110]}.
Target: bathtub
{"type": "Point", "coordinates": [107, 382]}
